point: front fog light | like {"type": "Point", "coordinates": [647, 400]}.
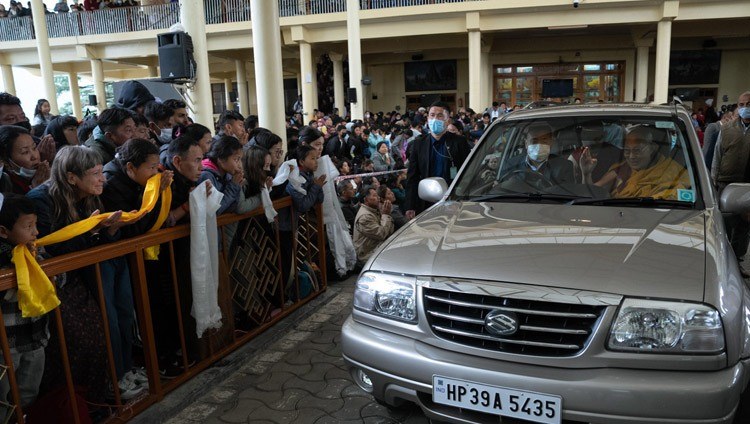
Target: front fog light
{"type": "Point", "coordinates": [666, 327]}
{"type": "Point", "coordinates": [389, 295]}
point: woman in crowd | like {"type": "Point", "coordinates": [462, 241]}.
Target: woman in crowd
{"type": "Point", "coordinates": [381, 159]}
{"type": "Point", "coordinates": [64, 130]}
{"type": "Point", "coordinates": [21, 159]}
{"type": "Point", "coordinates": [41, 113]}
{"type": "Point", "coordinates": [256, 162]}
{"type": "Point", "coordinates": [273, 144]}
{"type": "Point", "coordinates": [70, 195]}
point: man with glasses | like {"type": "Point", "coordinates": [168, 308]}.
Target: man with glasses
{"type": "Point", "coordinates": [437, 154]}
{"type": "Point", "coordinates": [730, 165]}
{"type": "Point", "coordinates": [644, 172]}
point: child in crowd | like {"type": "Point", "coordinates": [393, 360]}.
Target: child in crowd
{"type": "Point", "coordinates": [223, 167]}
{"type": "Point", "coordinates": [27, 337]}
{"type": "Point", "coordinates": [21, 158]}
{"type": "Point", "coordinates": [307, 160]}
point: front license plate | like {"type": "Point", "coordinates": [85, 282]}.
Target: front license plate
{"type": "Point", "coordinates": [530, 406]}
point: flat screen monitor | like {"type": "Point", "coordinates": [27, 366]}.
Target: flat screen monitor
{"type": "Point", "coordinates": [557, 87]}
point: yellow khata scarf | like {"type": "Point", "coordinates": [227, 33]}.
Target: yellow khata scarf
{"type": "Point", "coordinates": [36, 294]}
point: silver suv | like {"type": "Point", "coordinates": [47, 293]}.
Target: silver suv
{"type": "Point", "coordinates": [577, 269]}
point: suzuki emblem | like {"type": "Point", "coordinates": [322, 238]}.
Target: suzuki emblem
{"type": "Point", "coordinates": [501, 323]}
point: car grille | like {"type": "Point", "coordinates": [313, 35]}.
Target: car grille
{"type": "Point", "coordinates": [544, 328]}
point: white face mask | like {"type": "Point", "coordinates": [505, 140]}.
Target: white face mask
{"type": "Point", "coordinates": [165, 137]}
{"type": "Point", "coordinates": [538, 152]}
{"type": "Point", "coordinates": [26, 172]}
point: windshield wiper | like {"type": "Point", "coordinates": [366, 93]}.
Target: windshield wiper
{"type": "Point", "coordinates": [530, 197]}
{"type": "Point", "coordinates": [637, 201]}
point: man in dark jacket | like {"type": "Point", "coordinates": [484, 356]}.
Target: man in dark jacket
{"type": "Point", "coordinates": [134, 97]}
{"type": "Point", "coordinates": [336, 145]}
{"type": "Point", "coordinates": [437, 154]}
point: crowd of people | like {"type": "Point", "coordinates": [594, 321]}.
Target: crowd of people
{"type": "Point", "coordinates": [17, 9]}
{"type": "Point", "coordinates": [57, 171]}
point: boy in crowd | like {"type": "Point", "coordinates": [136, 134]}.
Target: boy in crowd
{"type": "Point", "coordinates": [159, 118]}
{"type": "Point", "coordinates": [27, 337]}
{"type": "Point", "coordinates": [307, 159]}
{"type": "Point", "coordinates": [232, 123]}
{"type": "Point", "coordinates": [116, 126]}
{"type": "Point", "coordinates": [179, 112]}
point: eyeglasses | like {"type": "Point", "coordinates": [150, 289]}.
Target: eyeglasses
{"type": "Point", "coordinates": [635, 151]}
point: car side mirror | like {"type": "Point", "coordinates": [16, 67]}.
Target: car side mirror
{"type": "Point", "coordinates": [735, 198]}
{"type": "Point", "coordinates": [432, 189]}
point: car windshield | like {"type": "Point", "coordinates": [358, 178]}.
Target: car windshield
{"type": "Point", "coordinates": [583, 160]}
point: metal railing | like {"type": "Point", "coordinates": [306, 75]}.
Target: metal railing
{"type": "Point", "coordinates": [250, 282]}
{"type": "Point", "coordinates": [162, 16]}
{"type": "Point", "coordinates": [114, 20]}
{"type": "Point", "coordinates": [16, 29]}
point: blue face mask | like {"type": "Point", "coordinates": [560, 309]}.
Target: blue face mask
{"type": "Point", "coordinates": [436, 126]}
{"type": "Point", "coordinates": [744, 112]}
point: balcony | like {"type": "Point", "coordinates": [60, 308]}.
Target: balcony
{"type": "Point", "coordinates": [163, 16]}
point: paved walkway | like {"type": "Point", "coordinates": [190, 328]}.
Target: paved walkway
{"type": "Point", "coordinates": [293, 373]}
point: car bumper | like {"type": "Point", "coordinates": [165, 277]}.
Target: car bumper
{"type": "Point", "coordinates": [401, 368]}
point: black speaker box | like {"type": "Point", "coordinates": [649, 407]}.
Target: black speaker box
{"type": "Point", "coordinates": [176, 56]}
{"type": "Point", "coordinates": [351, 93]}
{"type": "Point", "coordinates": [92, 99]}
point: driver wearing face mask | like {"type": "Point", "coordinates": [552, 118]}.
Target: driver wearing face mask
{"type": "Point", "coordinates": [539, 158]}
{"type": "Point", "coordinates": [438, 153]}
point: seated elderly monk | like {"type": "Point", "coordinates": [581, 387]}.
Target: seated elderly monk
{"type": "Point", "coordinates": [643, 173]}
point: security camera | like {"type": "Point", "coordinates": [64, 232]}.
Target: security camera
{"type": "Point", "coordinates": [576, 3]}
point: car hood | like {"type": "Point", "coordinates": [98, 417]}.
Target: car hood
{"type": "Point", "coordinates": [626, 251]}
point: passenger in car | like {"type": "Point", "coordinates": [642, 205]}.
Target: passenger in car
{"type": "Point", "coordinates": [644, 172]}
{"type": "Point", "coordinates": [539, 159]}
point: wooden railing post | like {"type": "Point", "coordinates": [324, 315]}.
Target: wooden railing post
{"type": "Point", "coordinates": [143, 306]}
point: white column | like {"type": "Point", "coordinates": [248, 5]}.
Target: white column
{"type": "Point", "coordinates": [475, 70]}
{"type": "Point", "coordinates": [75, 94]}
{"type": "Point", "coordinates": [252, 104]}
{"type": "Point", "coordinates": [242, 97]}
{"type": "Point", "coordinates": [228, 105]}
{"type": "Point", "coordinates": [9, 84]}
{"type": "Point", "coordinates": [193, 18]}
{"type": "Point", "coordinates": [97, 72]}
{"type": "Point", "coordinates": [663, 46]}
{"type": "Point", "coordinates": [308, 80]}
{"type": "Point", "coordinates": [299, 84]}
{"type": "Point", "coordinates": [355, 58]}
{"type": "Point", "coordinates": [269, 82]}
{"type": "Point", "coordinates": [45, 59]}
{"type": "Point", "coordinates": [641, 74]}
{"type": "Point", "coordinates": [338, 81]}
{"type": "Point", "coordinates": [485, 73]}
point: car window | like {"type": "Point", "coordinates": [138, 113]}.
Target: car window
{"type": "Point", "coordinates": [624, 158]}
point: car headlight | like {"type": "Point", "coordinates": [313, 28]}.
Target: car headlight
{"type": "Point", "coordinates": [666, 327]}
{"type": "Point", "coordinates": [389, 295]}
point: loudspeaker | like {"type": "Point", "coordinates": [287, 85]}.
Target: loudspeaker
{"type": "Point", "coordinates": [92, 99]}
{"type": "Point", "coordinates": [176, 56]}
{"type": "Point", "coordinates": [351, 93]}
{"type": "Point", "coordinates": [418, 56]}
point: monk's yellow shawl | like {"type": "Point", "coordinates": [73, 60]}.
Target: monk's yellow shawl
{"type": "Point", "coordinates": [660, 181]}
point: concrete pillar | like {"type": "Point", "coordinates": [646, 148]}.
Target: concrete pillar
{"type": "Point", "coordinates": [475, 70]}
{"type": "Point", "coordinates": [97, 72]}
{"type": "Point", "coordinates": [269, 82]}
{"type": "Point", "coordinates": [9, 84]}
{"type": "Point", "coordinates": [228, 105]}
{"type": "Point", "coordinates": [485, 71]}
{"type": "Point", "coordinates": [308, 81]}
{"type": "Point", "coordinates": [355, 58]}
{"type": "Point", "coordinates": [75, 94]}
{"type": "Point", "coordinates": [242, 97]}
{"type": "Point", "coordinates": [153, 72]}
{"type": "Point", "coordinates": [663, 47]}
{"type": "Point", "coordinates": [315, 102]}
{"type": "Point", "coordinates": [338, 82]}
{"type": "Point", "coordinates": [193, 18]}
{"type": "Point", "coordinates": [641, 73]}
{"type": "Point", "coordinates": [252, 104]}
{"type": "Point", "coordinates": [45, 59]}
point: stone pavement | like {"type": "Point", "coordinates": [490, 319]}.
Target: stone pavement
{"type": "Point", "coordinates": [292, 374]}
